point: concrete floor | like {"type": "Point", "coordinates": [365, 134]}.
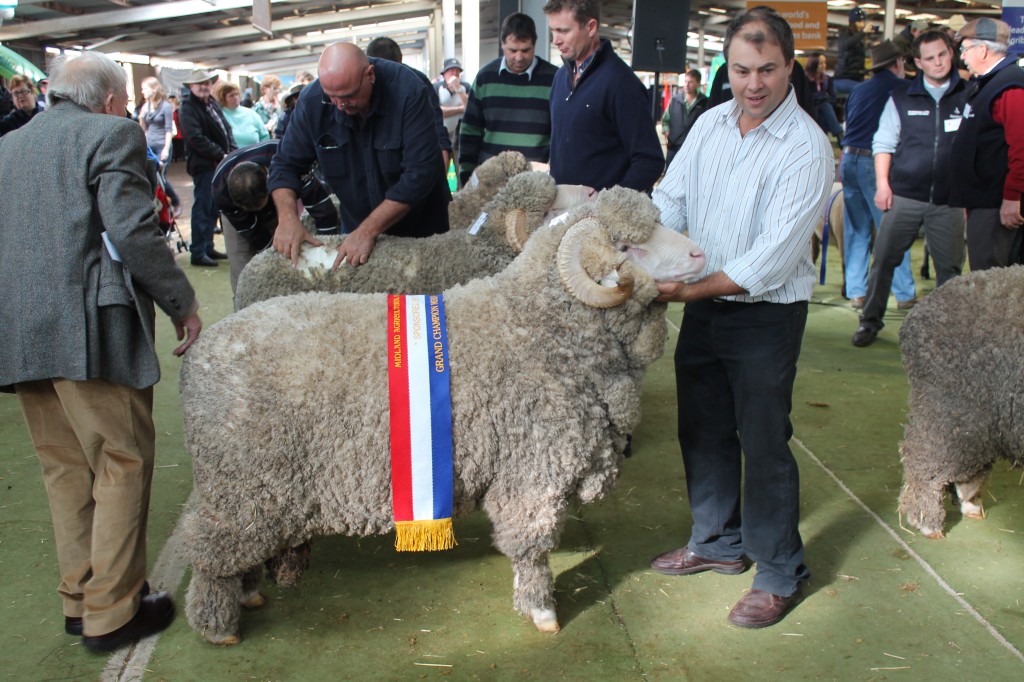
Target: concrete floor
{"type": "Point", "coordinates": [885, 604]}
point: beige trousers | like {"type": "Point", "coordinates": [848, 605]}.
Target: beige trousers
{"type": "Point", "coordinates": [95, 441]}
{"type": "Point", "coordinates": [239, 251]}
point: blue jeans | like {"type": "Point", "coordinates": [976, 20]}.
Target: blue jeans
{"type": "Point", "coordinates": [844, 85]}
{"type": "Point", "coordinates": [828, 120]}
{"type": "Point", "coordinates": [858, 174]}
{"type": "Point", "coordinates": [204, 213]}
{"type": "Point", "coordinates": [735, 367]}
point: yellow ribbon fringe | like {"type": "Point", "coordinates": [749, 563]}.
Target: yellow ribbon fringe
{"type": "Point", "coordinates": [424, 536]}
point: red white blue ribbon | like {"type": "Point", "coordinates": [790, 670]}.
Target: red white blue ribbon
{"type": "Point", "coordinates": [421, 423]}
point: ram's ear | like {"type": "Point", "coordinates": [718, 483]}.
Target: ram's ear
{"type": "Point", "coordinates": [517, 229]}
{"type": "Point", "coordinates": [588, 235]}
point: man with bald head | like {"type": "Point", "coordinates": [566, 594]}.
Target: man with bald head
{"type": "Point", "coordinates": [369, 122]}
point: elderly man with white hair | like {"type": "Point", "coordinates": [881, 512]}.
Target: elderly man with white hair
{"type": "Point", "coordinates": [83, 264]}
{"type": "Point", "coordinates": [988, 151]}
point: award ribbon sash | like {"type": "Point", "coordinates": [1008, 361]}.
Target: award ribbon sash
{"type": "Point", "coordinates": [419, 389]}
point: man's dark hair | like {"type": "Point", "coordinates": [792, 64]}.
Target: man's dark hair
{"type": "Point", "coordinates": [779, 31]}
{"type": "Point", "coordinates": [247, 186]}
{"type": "Point", "coordinates": [520, 26]}
{"type": "Point", "coordinates": [930, 36]}
{"type": "Point", "coordinates": [582, 10]}
{"type": "Point", "coordinates": [384, 48]}
{"type": "Point", "coordinates": [694, 74]}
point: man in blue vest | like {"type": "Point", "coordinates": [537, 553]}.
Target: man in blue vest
{"type": "Point", "coordinates": [989, 148]}
{"type": "Point", "coordinates": [912, 161]}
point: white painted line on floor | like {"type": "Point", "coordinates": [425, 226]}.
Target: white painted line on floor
{"type": "Point", "coordinates": [129, 664]}
{"type": "Point", "coordinates": [917, 557]}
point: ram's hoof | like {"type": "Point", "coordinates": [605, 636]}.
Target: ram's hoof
{"type": "Point", "coordinates": [971, 510]}
{"type": "Point", "coordinates": [221, 640]}
{"type": "Point", "coordinates": [253, 600]}
{"type": "Point", "coordinates": [545, 620]}
{"type": "Point", "coordinates": [932, 534]}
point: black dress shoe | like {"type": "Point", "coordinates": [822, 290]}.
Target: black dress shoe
{"type": "Point", "coordinates": [865, 336]}
{"type": "Point", "coordinates": [204, 261]}
{"type": "Point", "coordinates": [684, 562]}
{"type": "Point", "coordinates": [216, 255]}
{"type": "Point", "coordinates": [73, 624]}
{"type": "Point", "coordinates": [156, 612]}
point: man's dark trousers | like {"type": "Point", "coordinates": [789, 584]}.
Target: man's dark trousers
{"type": "Point", "coordinates": [204, 214]}
{"type": "Point", "coordinates": [735, 367]}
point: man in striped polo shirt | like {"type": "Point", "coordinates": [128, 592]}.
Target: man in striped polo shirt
{"type": "Point", "coordinates": [508, 107]}
{"type": "Point", "coordinates": [748, 184]}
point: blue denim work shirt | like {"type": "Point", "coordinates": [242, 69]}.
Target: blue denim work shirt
{"type": "Point", "coordinates": [391, 154]}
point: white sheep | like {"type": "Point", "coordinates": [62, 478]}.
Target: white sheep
{"type": "Point", "coordinates": [427, 265]}
{"type": "Point", "coordinates": [287, 416]}
{"type": "Point", "coordinates": [962, 347]}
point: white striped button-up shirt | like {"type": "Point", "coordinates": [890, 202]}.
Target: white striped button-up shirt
{"type": "Point", "coordinates": [751, 202]}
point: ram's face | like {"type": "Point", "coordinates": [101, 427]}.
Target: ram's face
{"type": "Point", "coordinates": [667, 256]}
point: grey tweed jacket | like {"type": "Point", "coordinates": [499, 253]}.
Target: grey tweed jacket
{"type": "Point", "coordinates": [68, 308]}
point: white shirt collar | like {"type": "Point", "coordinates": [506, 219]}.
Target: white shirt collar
{"type": "Point", "coordinates": [528, 72]}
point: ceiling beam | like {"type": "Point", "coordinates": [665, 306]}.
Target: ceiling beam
{"type": "Point", "coordinates": [314, 44]}
{"type": "Point", "coordinates": [147, 13]}
{"type": "Point", "coordinates": [308, 22]}
{"type": "Point", "coordinates": [356, 30]}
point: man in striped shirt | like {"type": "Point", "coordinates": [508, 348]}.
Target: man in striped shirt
{"type": "Point", "coordinates": [748, 184]}
{"type": "Point", "coordinates": [508, 106]}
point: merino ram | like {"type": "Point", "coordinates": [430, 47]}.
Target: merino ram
{"type": "Point", "coordinates": [962, 347]}
{"type": "Point", "coordinates": [428, 265]}
{"type": "Point", "coordinates": [287, 414]}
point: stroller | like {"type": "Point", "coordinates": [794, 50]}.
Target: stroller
{"type": "Point", "coordinates": [163, 207]}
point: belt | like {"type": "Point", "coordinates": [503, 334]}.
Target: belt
{"type": "Point", "coordinates": [857, 151]}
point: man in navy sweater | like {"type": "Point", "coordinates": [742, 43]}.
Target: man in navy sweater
{"type": "Point", "coordinates": [602, 130]}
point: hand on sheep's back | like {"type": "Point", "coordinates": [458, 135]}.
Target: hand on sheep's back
{"type": "Point", "coordinates": [290, 235]}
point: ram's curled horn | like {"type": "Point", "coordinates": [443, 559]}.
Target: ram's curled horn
{"type": "Point", "coordinates": [517, 229]}
{"type": "Point", "coordinates": [575, 277]}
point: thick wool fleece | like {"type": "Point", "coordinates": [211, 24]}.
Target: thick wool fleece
{"type": "Point", "coordinates": [286, 417]}
{"type": "Point", "coordinates": [491, 176]}
{"type": "Point", "coordinates": [962, 349]}
{"type": "Point", "coordinates": [404, 265]}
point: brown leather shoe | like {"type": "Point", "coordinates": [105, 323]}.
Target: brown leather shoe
{"type": "Point", "coordinates": [759, 609]}
{"type": "Point", "coordinates": [684, 562]}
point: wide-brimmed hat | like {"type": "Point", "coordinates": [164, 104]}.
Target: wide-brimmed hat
{"type": "Point", "coordinates": [883, 54]}
{"type": "Point", "coordinates": [986, 28]}
{"type": "Point", "coordinates": [294, 91]}
{"type": "Point", "coordinates": [451, 63]}
{"type": "Point", "coordinates": [956, 22]}
{"type": "Point", "coordinates": [200, 76]}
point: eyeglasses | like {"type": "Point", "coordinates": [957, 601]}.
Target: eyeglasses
{"type": "Point", "coordinates": [347, 97]}
{"type": "Point", "coordinates": [22, 91]}
{"type": "Point", "coordinates": [964, 49]}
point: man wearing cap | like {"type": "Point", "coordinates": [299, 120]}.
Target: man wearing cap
{"type": "Point", "coordinates": [850, 69]}
{"type": "Point", "coordinates": [988, 152]}
{"type": "Point", "coordinates": [370, 124]}
{"type": "Point", "coordinates": [509, 106]}
{"type": "Point", "coordinates": [453, 94]}
{"type": "Point", "coordinates": [42, 85]}
{"type": "Point", "coordinates": [602, 127]}
{"type": "Point", "coordinates": [208, 139]}
{"type": "Point", "coordinates": [912, 162]}
{"type": "Point", "coordinates": [863, 110]}
{"type": "Point", "coordinates": [905, 38]}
